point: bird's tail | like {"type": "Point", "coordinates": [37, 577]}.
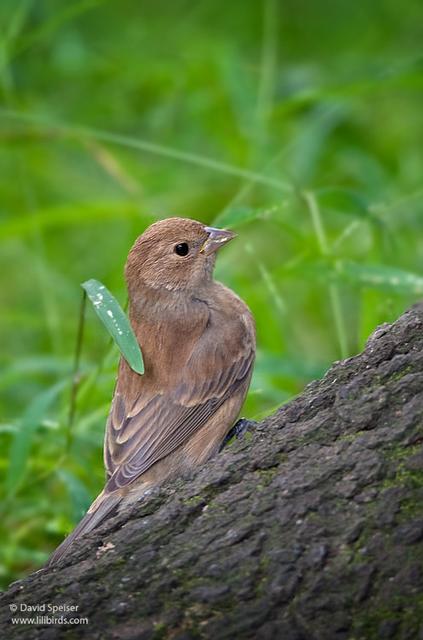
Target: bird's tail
{"type": "Point", "coordinates": [99, 510]}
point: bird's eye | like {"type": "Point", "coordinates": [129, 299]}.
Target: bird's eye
{"type": "Point", "coordinates": [181, 249]}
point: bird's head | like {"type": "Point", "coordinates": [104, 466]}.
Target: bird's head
{"type": "Point", "coordinates": [174, 254]}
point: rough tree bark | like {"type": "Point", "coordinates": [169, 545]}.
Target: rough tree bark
{"type": "Point", "coordinates": [309, 528]}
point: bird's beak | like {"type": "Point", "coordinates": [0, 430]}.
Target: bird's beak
{"type": "Point", "coordinates": [217, 238]}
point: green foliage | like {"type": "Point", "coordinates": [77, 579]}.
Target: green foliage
{"type": "Point", "coordinates": [22, 438]}
{"type": "Point", "coordinates": [115, 321]}
{"type": "Point", "coordinates": [300, 128]}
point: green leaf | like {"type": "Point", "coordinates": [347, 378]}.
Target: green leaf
{"type": "Point", "coordinates": [117, 324]}
{"type": "Point", "coordinates": [381, 277]}
{"type": "Point", "coordinates": [21, 445]}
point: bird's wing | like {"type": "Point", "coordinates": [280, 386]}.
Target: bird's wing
{"type": "Point", "coordinates": [158, 423]}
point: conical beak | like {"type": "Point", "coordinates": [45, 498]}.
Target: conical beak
{"type": "Point", "coordinates": [217, 238]}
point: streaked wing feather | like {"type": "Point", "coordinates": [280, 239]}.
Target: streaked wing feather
{"type": "Point", "coordinates": [156, 425]}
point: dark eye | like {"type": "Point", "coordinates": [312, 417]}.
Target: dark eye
{"type": "Point", "coordinates": [181, 249]}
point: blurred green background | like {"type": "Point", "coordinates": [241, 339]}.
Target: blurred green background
{"type": "Point", "coordinates": [299, 124]}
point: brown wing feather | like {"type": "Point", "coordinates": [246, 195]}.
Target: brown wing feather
{"type": "Point", "coordinates": [157, 424]}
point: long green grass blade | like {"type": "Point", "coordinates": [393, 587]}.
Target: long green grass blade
{"type": "Point", "coordinates": [235, 216]}
{"type": "Point", "coordinates": [381, 277]}
{"type": "Point", "coordinates": [117, 324]}
{"type": "Point", "coordinates": [21, 444]}
{"type": "Point", "coordinates": [69, 215]}
{"type": "Point", "coordinates": [151, 147]}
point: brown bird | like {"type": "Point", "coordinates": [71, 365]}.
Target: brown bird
{"type": "Point", "coordinates": [198, 343]}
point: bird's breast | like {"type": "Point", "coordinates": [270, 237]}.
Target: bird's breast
{"type": "Point", "coordinates": [167, 335]}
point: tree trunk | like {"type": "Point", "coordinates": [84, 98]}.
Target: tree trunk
{"type": "Point", "coordinates": [311, 527]}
